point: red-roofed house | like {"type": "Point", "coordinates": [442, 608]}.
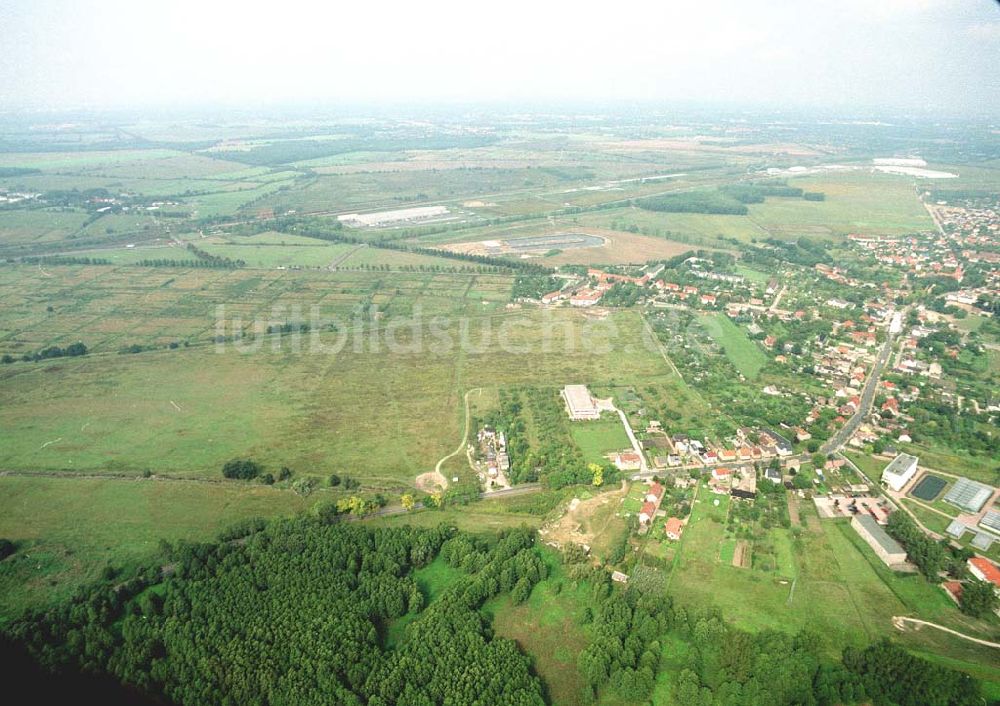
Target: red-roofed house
{"type": "Point", "coordinates": [674, 528]}
{"type": "Point", "coordinates": [655, 493]}
{"type": "Point", "coordinates": [720, 474]}
{"type": "Point", "coordinates": [646, 513]}
{"type": "Point", "coordinates": [727, 455]}
{"type": "Point", "coordinates": [985, 570]}
{"type": "Point", "coordinates": [628, 461]}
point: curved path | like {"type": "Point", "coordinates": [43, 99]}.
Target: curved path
{"type": "Point", "coordinates": [899, 620]}
{"type": "Point", "coordinates": [442, 481]}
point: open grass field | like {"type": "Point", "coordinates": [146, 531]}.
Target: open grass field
{"type": "Point", "coordinates": [380, 414]}
{"type": "Point", "coordinates": [697, 229]}
{"type": "Point", "coordinates": [981, 468]}
{"type": "Point", "coordinates": [70, 528]}
{"type": "Point", "coordinates": [745, 355]}
{"type": "Point", "coordinates": [597, 438]}
{"type": "Point", "coordinates": [842, 591]}
{"type": "Point", "coordinates": [856, 202]}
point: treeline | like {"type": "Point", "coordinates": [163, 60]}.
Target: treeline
{"type": "Point", "coordinates": [804, 251]}
{"type": "Point", "coordinates": [757, 193]}
{"type": "Point", "coordinates": [294, 612]}
{"type": "Point", "coordinates": [214, 260]}
{"type": "Point", "coordinates": [203, 263]}
{"type": "Point", "coordinates": [715, 202]}
{"type": "Point", "coordinates": [731, 199]}
{"type": "Point", "coordinates": [73, 350]}
{"type": "Point", "coordinates": [6, 172]}
{"type": "Point", "coordinates": [65, 260]}
{"type": "Point", "coordinates": [929, 556]}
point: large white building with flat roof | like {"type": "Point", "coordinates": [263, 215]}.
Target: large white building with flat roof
{"type": "Point", "coordinates": [401, 215]}
{"type": "Point", "coordinates": [579, 403]}
{"type": "Point", "coordinates": [899, 471]}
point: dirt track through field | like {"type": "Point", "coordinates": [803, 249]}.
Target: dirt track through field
{"type": "Point", "coordinates": [741, 557]}
{"type": "Point", "coordinates": [793, 508]}
{"type": "Point", "coordinates": [428, 481]}
{"type": "Point", "coordinates": [900, 622]}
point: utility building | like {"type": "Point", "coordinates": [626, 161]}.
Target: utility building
{"type": "Point", "coordinates": [899, 472]}
{"type": "Point", "coordinates": [579, 403]}
{"type": "Point", "coordinates": [887, 548]}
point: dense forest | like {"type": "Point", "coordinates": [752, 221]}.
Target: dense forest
{"type": "Point", "coordinates": [295, 614]}
{"type": "Point", "coordinates": [304, 611]}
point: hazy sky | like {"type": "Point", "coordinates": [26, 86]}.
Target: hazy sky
{"type": "Point", "coordinates": [848, 55]}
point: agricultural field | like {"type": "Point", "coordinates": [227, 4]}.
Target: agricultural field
{"type": "Point", "coordinates": [112, 307]}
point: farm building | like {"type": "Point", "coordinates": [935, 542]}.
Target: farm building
{"type": "Point", "coordinates": [899, 471]}
{"type": "Point", "coordinates": [956, 529]}
{"type": "Point", "coordinates": [991, 521]}
{"type": "Point", "coordinates": [402, 215]}
{"type": "Point", "coordinates": [579, 403]}
{"type": "Point", "coordinates": [887, 548]}
{"type": "Point", "coordinates": [968, 495]}
{"type": "Point", "coordinates": [674, 528]}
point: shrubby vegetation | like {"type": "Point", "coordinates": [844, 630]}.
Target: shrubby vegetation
{"type": "Point", "coordinates": [695, 202]}
{"type": "Point", "coordinates": [73, 350]}
{"type": "Point", "coordinates": [555, 459]}
{"type": "Point", "coordinates": [929, 556]}
{"type": "Point", "coordinates": [533, 285]}
{"type": "Point", "coordinates": [241, 468]}
{"type": "Point", "coordinates": [726, 665]}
